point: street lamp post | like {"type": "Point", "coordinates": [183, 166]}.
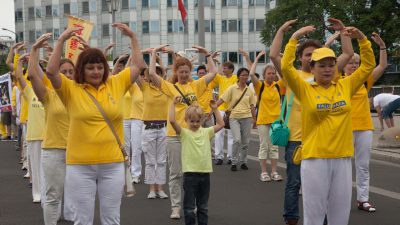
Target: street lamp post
{"type": "Point", "coordinates": [113, 6]}
{"type": "Point", "coordinates": [16, 38]}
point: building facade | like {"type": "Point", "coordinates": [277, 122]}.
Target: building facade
{"type": "Point", "coordinates": [228, 24]}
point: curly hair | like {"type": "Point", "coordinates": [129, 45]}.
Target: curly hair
{"type": "Point", "coordinates": [181, 61]}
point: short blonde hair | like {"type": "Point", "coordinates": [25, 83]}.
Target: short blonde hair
{"type": "Point", "coordinates": [194, 110]}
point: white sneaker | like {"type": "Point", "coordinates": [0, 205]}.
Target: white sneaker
{"type": "Point", "coordinates": [175, 213]}
{"type": "Point", "coordinates": [136, 180]}
{"type": "Point", "coordinates": [36, 200]}
{"type": "Point", "coordinates": [27, 175]}
{"type": "Point", "coordinates": [151, 195]}
{"type": "Point", "coordinates": [264, 177]}
{"type": "Point", "coordinates": [276, 177]}
{"type": "Point", "coordinates": [162, 195]}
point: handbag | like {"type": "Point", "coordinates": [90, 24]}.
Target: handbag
{"type": "Point", "coordinates": [129, 189]}
{"type": "Point", "coordinates": [279, 131]}
{"type": "Point", "coordinates": [228, 112]}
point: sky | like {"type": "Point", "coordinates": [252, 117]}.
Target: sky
{"type": "Point", "coordinates": [7, 17]}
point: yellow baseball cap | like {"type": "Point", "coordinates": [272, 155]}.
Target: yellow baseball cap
{"type": "Point", "coordinates": [321, 53]}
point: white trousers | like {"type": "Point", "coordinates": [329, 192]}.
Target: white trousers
{"type": "Point", "coordinates": [53, 170]}
{"type": "Point", "coordinates": [136, 143]}
{"type": "Point", "coordinates": [326, 186]}
{"type": "Point", "coordinates": [86, 180]}
{"type": "Point", "coordinates": [34, 152]}
{"type": "Point", "coordinates": [362, 145]}
{"type": "Point", "coordinates": [25, 155]}
{"type": "Point", "coordinates": [219, 142]}
{"type": "Point", "coordinates": [155, 154]}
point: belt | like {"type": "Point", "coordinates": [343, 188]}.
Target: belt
{"type": "Point", "coordinates": [154, 125]}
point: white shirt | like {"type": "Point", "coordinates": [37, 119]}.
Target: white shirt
{"type": "Point", "coordinates": [384, 99]}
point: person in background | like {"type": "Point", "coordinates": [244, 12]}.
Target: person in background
{"type": "Point", "coordinates": [385, 105]}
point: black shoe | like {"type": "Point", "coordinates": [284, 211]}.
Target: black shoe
{"type": "Point", "coordinates": [218, 162]}
{"type": "Point", "coordinates": [244, 166]}
{"type": "Point", "coordinates": [233, 168]}
{"type": "Point", "coordinates": [229, 162]}
{"type": "Point", "coordinates": [30, 185]}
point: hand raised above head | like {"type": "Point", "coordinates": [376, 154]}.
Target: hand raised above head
{"type": "Point", "coordinates": [303, 31]}
{"type": "Point", "coordinates": [336, 24]}
{"type": "Point", "coordinates": [124, 29]}
{"type": "Point", "coordinates": [378, 40]}
{"type": "Point", "coordinates": [287, 25]}
{"type": "Point", "coordinates": [201, 49]}
{"type": "Point", "coordinates": [41, 42]}
{"type": "Point", "coordinates": [69, 32]}
{"type": "Point", "coordinates": [354, 32]}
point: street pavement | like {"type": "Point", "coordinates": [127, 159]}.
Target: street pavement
{"type": "Point", "coordinates": [237, 198]}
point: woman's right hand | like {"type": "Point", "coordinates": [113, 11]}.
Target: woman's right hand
{"type": "Point", "coordinates": [68, 33]}
{"type": "Point", "coordinates": [354, 32]}
{"type": "Point", "coordinates": [42, 41]}
{"type": "Point", "coordinates": [303, 31]}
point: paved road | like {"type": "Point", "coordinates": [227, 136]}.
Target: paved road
{"type": "Point", "coordinates": [236, 198]}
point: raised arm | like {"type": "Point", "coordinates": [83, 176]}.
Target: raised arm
{"type": "Point", "coordinates": [19, 71]}
{"type": "Point", "coordinates": [154, 78]}
{"type": "Point", "coordinates": [137, 58]}
{"type": "Point", "coordinates": [53, 68]}
{"type": "Point", "coordinates": [331, 39]}
{"type": "Point", "coordinates": [108, 48]}
{"type": "Point", "coordinates": [212, 69]}
{"type": "Point", "coordinates": [119, 60]}
{"type": "Point", "coordinates": [218, 118]}
{"type": "Point", "coordinates": [253, 77]}
{"type": "Point", "coordinates": [275, 49]}
{"type": "Point", "coordinates": [35, 73]}
{"type": "Point", "coordinates": [247, 57]}
{"type": "Point", "coordinates": [10, 56]}
{"type": "Point", "coordinates": [378, 71]}
{"type": "Point", "coordinates": [172, 118]}
{"type": "Point", "coordinates": [347, 47]}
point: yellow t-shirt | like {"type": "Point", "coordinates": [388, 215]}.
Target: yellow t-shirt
{"type": "Point", "coordinates": [137, 102]}
{"type": "Point", "coordinates": [35, 123]}
{"type": "Point", "coordinates": [14, 97]}
{"type": "Point", "coordinates": [155, 103]}
{"type": "Point", "coordinates": [242, 109]}
{"type": "Point", "coordinates": [90, 139]}
{"type": "Point", "coordinates": [206, 97]}
{"type": "Point", "coordinates": [196, 150]}
{"type": "Point", "coordinates": [190, 90]}
{"type": "Point", "coordinates": [360, 109]}
{"type": "Point", "coordinates": [57, 122]}
{"type": "Point", "coordinates": [326, 113]}
{"type": "Point", "coordinates": [224, 83]}
{"type": "Point", "coordinates": [23, 116]}
{"type": "Point", "coordinates": [269, 106]}
{"type": "Point", "coordinates": [127, 105]}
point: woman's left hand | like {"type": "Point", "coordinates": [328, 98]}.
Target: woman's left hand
{"type": "Point", "coordinates": [124, 29]}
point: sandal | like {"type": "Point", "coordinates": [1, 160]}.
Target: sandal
{"type": "Point", "coordinates": [264, 177]}
{"type": "Point", "coordinates": [366, 206]}
{"type": "Point", "coordinates": [276, 177]}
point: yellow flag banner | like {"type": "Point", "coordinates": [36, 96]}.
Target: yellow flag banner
{"type": "Point", "coordinates": [72, 50]}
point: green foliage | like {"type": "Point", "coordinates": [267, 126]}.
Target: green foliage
{"type": "Point", "coordinates": [383, 17]}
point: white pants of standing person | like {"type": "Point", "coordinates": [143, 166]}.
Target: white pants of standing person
{"type": "Point", "coordinates": [68, 209]}
{"type": "Point", "coordinates": [326, 187]}
{"type": "Point", "coordinates": [362, 144]}
{"type": "Point", "coordinates": [219, 142]}
{"type": "Point", "coordinates": [174, 148]}
{"type": "Point", "coordinates": [241, 131]}
{"type": "Point", "coordinates": [24, 152]}
{"type": "Point", "coordinates": [34, 152]}
{"type": "Point", "coordinates": [86, 180]}
{"type": "Point", "coordinates": [128, 136]}
{"type": "Point", "coordinates": [53, 173]}
{"type": "Point", "coordinates": [155, 154]}
{"type": "Point", "coordinates": [136, 156]}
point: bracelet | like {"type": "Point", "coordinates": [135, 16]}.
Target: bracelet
{"type": "Point", "coordinates": [383, 48]}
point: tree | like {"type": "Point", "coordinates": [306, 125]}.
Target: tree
{"type": "Point", "coordinates": [381, 16]}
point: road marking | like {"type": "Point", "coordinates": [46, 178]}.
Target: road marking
{"type": "Point", "coordinates": [372, 189]}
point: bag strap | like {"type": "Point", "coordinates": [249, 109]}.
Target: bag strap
{"type": "Point", "coordinates": [289, 107]}
{"type": "Point", "coordinates": [108, 123]}
{"type": "Point", "coordinates": [237, 102]}
{"type": "Point", "coordinates": [279, 91]}
{"type": "Point", "coordinates": [183, 96]}
{"type": "Point", "coordinates": [259, 95]}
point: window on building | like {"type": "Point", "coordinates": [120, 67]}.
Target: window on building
{"type": "Point", "coordinates": [38, 12]}
{"type": "Point", "coordinates": [38, 34]}
{"type": "Point", "coordinates": [224, 57]}
{"type": "Point", "coordinates": [170, 26]}
{"type": "Point", "coordinates": [239, 25]}
{"type": "Point", "coordinates": [56, 33]}
{"type": "Point", "coordinates": [170, 59]}
{"type": "Point", "coordinates": [18, 15]}
{"type": "Point", "coordinates": [74, 8]}
{"type": "Point", "coordinates": [105, 30]}
{"type": "Point", "coordinates": [262, 58]}
{"type": "Point", "coordinates": [145, 27]}
{"type": "Point", "coordinates": [259, 24]}
{"type": "Point", "coordinates": [93, 6]}
{"type": "Point", "coordinates": [20, 36]}
{"type": "Point", "coordinates": [94, 32]}
{"type": "Point", "coordinates": [251, 2]}
{"type": "Point", "coordinates": [260, 2]}
{"type": "Point", "coordinates": [125, 4]}
{"type": "Point", "coordinates": [171, 3]}
{"type": "Point", "coordinates": [67, 9]}
{"type": "Point", "coordinates": [154, 26]}
{"type": "Point", "coordinates": [31, 13]}
{"type": "Point", "coordinates": [85, 7]}
{"type": "Point", "coordinates": [224, 26]}
{"type": "Point", "coordinates": [48, 12]}
{"type": "Point", "coordinates": [132, 4]}
{"type": "Point", "coordinates": [251, 55]}
{"type": "Point", "coordinates": [213, 25]}
{"type": "Point", "coordinates": [207, 26]}
{"type": "Point", "coordinates": [133, 26]}
{"type": "Point", "coordinates": [251, 25]}
{"type": "Point", "coordinates": [56, 10]}
{"type": "Point", "coordinates": [154, 3]}
{"type": "Point", "coordinates": [146, 58]}
{"type": "Point", "coordinates": [229, 2]}
{"type": "Point", "coordinates": [104, 6]}
{"type": "Point", "coordinates": [178, 26]}
{"type": "Point", "coordinates": [32, 37]}
{"type": "Point", "coordinates": [145, 3]}
{"type": "Point", "coordinates": [232, 27]}
{"type": "Point", "coordinates": [233, 57]}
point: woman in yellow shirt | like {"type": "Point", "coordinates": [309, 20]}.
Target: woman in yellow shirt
{"type": "Point", "coordinates": [269, 101]}
{"type": "Point", "coordinates": [326, 127]}
{"type": "Point", "coordinates": [94, 158]}
{"type": "Point", "coordinates": [241, 118]}
{"type": "Point", "coordinates": [55, 132]}
{"type": "Point", "coordinates": [181, 83]}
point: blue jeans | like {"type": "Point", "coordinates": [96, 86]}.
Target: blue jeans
{"type": "Point", "coordinates": [293, 183]}
{"type": "Point", "coordinates": [196, 187]}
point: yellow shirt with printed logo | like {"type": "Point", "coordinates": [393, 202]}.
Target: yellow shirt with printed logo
{"type": "Point", "coordinates": [242, 109]}
{"type": "Point", "coordinates": [224, 83]}
{"type": "Point", "coordinates": [269, 106]}
{"type": "Point", "coordinates": [326, 113]}
{"type": "Point", "coordinates": [137, 102]}
{"type": "Point", "coordinates": [155, 103]}
{"type": "Point", "coordinates": [190, 90]}
{"type": "Point", "coordinates": [56, 121]}
{"type": "Point", "coordinates": [35, 123]}
{"type": "Point", "coordinates": [90, 139]}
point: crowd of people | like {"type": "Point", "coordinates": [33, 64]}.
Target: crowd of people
{"type": "Point", "coordinates": [67, 114]}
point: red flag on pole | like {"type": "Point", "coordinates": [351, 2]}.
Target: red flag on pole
{"type": "Point", "coordinates": [181, 8]}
